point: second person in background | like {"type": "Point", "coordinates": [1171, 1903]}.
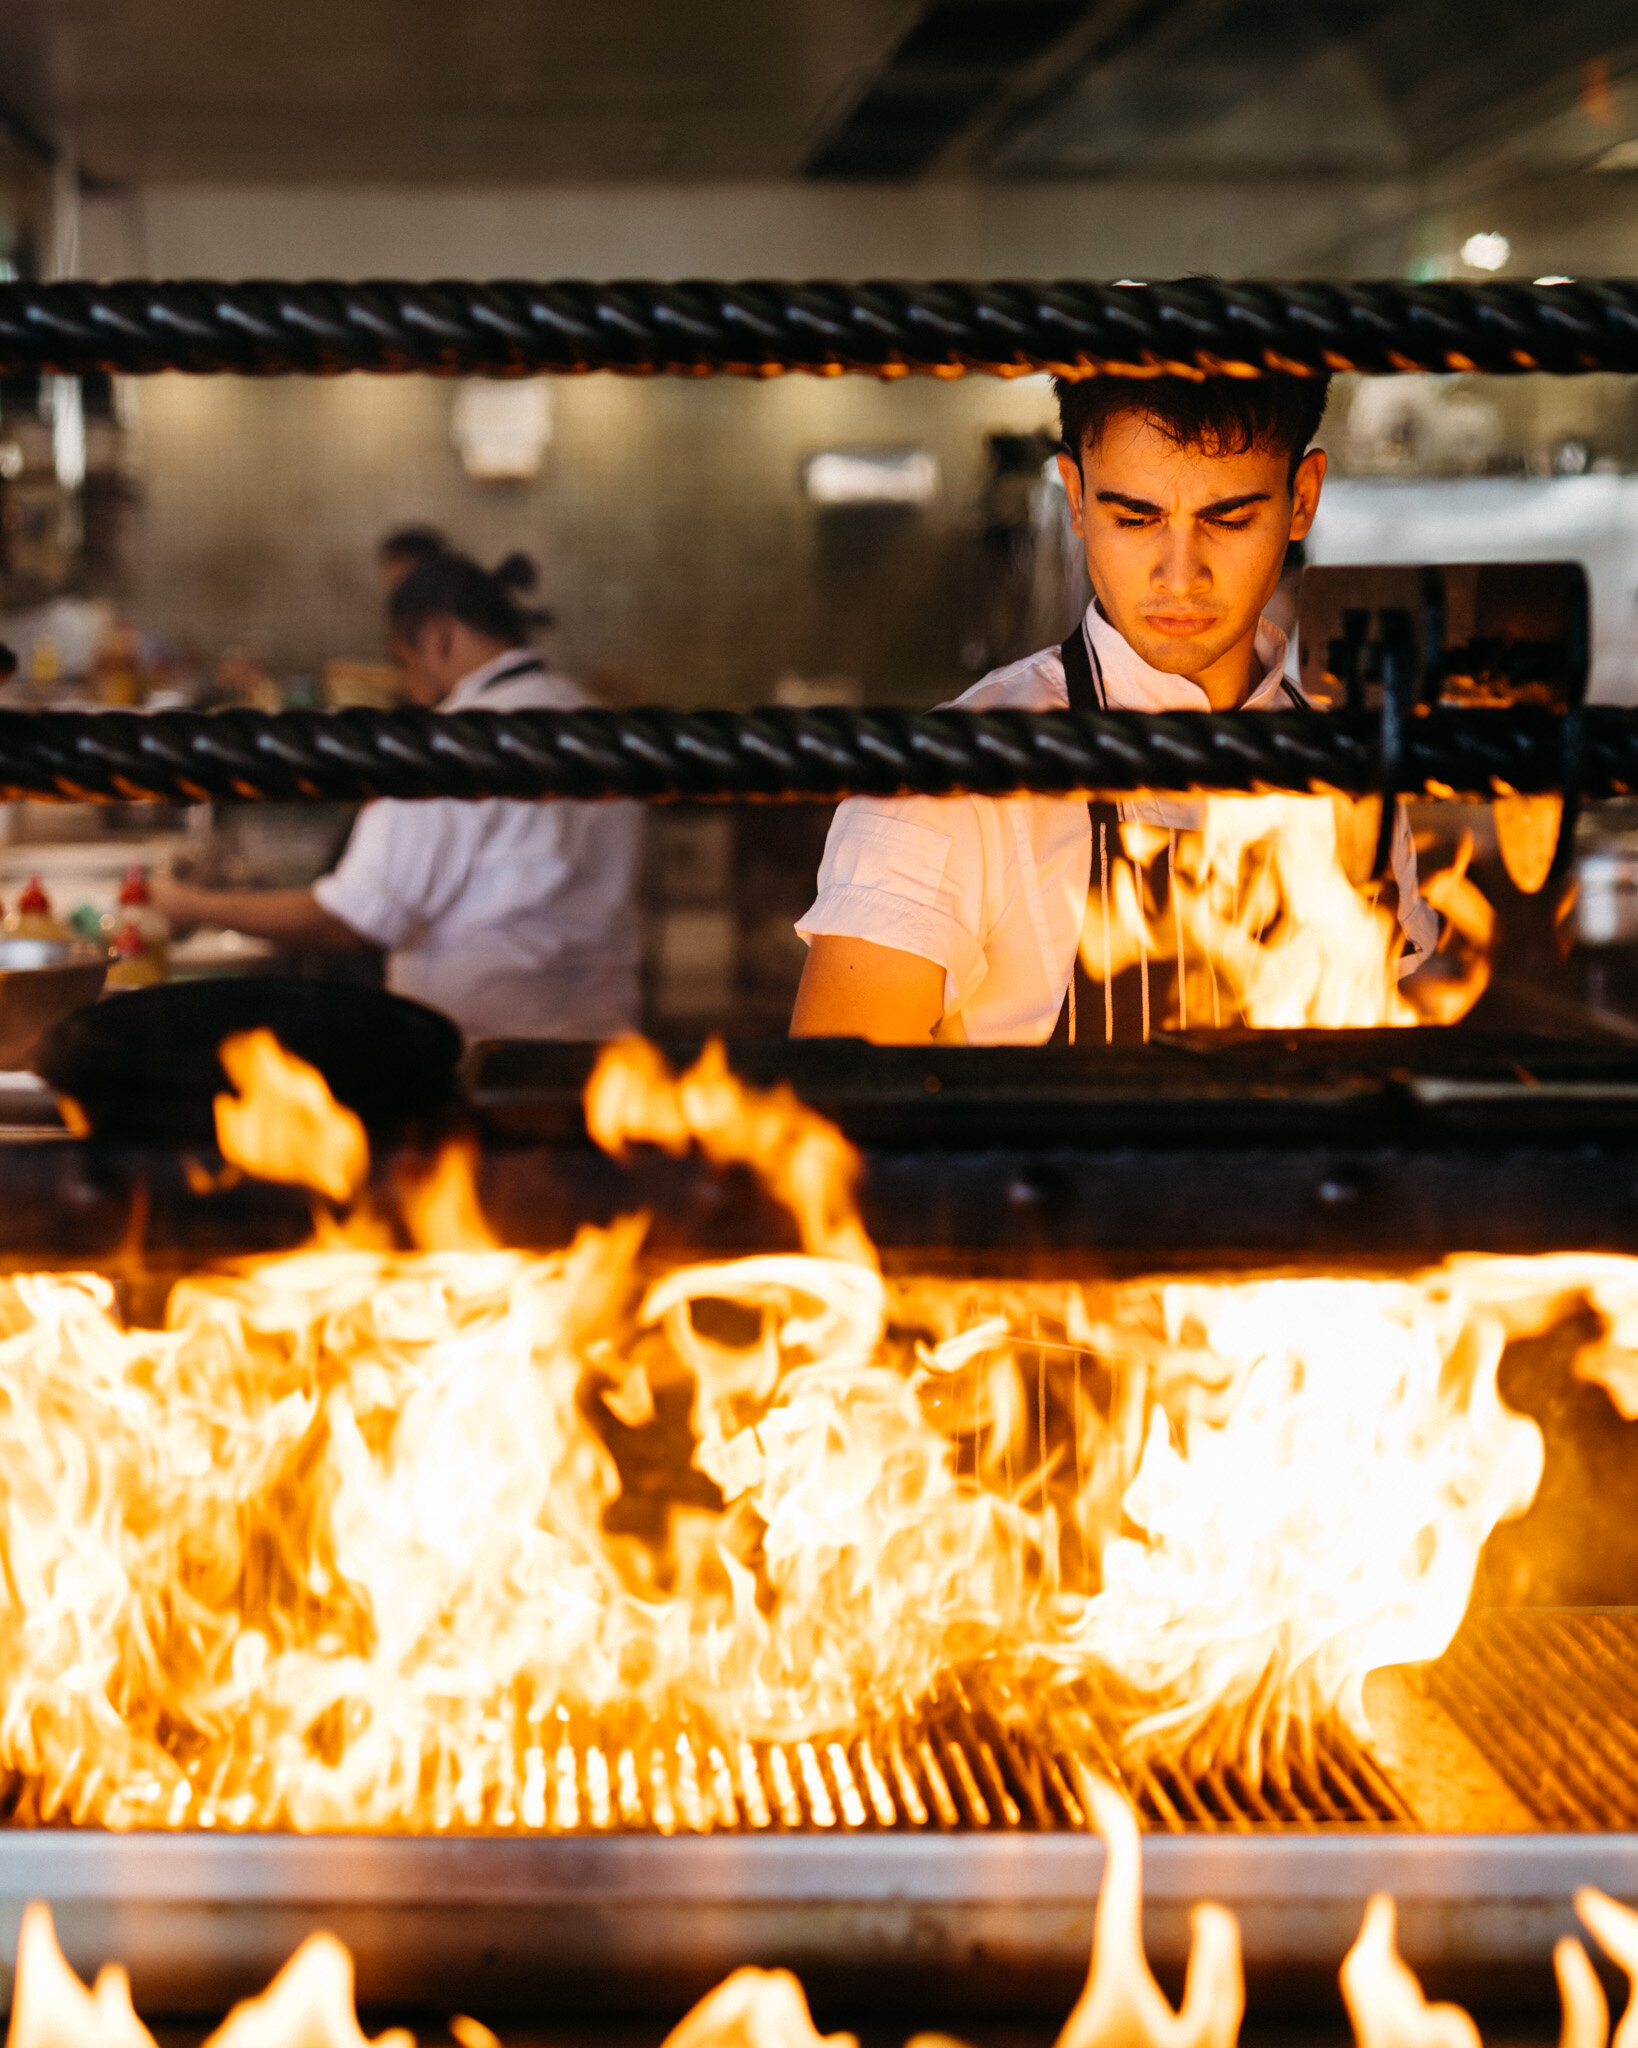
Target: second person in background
{"type": "Point", "coordinates": [518, 920]}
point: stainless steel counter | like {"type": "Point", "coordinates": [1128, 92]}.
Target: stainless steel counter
{"type": "Point", "coordinates": [923, 1927]}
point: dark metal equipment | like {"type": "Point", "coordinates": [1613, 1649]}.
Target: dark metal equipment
{"type": "Point", "coordinates": [1495, 710]}
{"type": "Point", "coordinates": [146, 1069]}
{"type": "Point", "coordinates": [512, 328]}
{"type": "Point", "coordinates": [1326, 1145]}
{"type": "Point", "coordinates": [1497, 634]}
{"type": "Point", "coordinates": [783, 755]}
{"type": "Point", "coordinates": [1322, 1147]}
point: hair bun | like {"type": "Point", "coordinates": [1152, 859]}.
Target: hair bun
{"type": "Point", "coordinates": [517, 572]}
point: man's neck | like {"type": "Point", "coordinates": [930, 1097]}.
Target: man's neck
{"type": "Point", "coordinates": [1231, 680]}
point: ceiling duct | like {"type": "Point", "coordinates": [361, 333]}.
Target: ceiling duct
{"type": "Point", "coordinates": [958, 59]}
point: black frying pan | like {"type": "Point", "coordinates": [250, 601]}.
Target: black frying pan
{"type": "Point", "coordinates": [143, 1065]}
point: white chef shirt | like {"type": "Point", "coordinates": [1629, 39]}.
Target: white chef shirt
{"type": "Point", "coordinates": [994, 888]}
{"type": "Point", "coordinates": [516, 919]}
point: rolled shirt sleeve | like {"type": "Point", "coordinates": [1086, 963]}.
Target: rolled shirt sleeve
{"type": "Point", "coordinates": [402, 868]}
{"type": "Point", "coordinates": [909, 875]}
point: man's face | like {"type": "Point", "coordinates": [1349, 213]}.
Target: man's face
{"type": "Point", "coordinates": [431, 668]}
{"type": "Point", "coordinates": [1184, 547]}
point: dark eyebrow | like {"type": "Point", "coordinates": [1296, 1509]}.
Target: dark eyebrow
{"type": "Point", "coordinates": [1217, 510]}
{"type": "Point", "coordinates": [1222, 505]}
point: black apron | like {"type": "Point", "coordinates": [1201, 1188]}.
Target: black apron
{"type": "Point", "coordinates": [1139, 1000]}
{"type": "Point", "coordinates": [1123, 1011]}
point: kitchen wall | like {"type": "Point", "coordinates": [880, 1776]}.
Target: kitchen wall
{"type": "Point", "coordinates": [677, 546]}
{"type": "Point", "coordinates": [1030, 227]}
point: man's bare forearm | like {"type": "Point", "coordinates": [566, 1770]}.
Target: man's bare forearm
{"type": "Point", "coordinates": [290, 917]}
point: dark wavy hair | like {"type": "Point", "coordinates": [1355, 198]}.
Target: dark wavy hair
{"type": "Point", "coordinates": [411, 544]}
{"type": "Point", "coordinates": [1220, 415]}
{"type": "Point", "coordinates": [447, 586]}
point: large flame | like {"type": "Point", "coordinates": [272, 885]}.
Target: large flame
{"type": "Point", "coordinates": [804, 1161]}
{"type": "Point", "coordinates": [283, 1123]}
{"type": "Point", "coordinates": [51, 2008]}
{"type": "Point", "coordinates": [1265, 907]}
{"type": "Point", "coordinates": [472, 1538]}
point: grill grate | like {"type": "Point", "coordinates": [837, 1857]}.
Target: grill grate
{"type": "Point", "coordinates": [1550, 1699]}
{"type": "Point", "coordinates": [1547, 1698]}
{"type": "Point", "coordinates": [1337, 1785]}
{"type": "Point", "coordinates": [951, 1766]}
{"type": "Point", "coordinates": [956, 1771]}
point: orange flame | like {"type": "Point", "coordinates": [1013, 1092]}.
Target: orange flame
{"type": "Point", "coordinates": [284, 1124]}
{"type": "Point", "coordinates": [442, 1211]}
{"type": "Point", "coordinates": [1385, 2001]}
{"type": "Point", "coordinates": [51, 2008]}
{"type": "Point", "coordinates": [1388, 2010]}
{"type": "Point", "coordinates": [1268, 1396]}
{"type": "Point", "coordinates": [309, 2004]}
{"type": "Point", "coordinates": [1122, 2006]}
{"type": "Point", "coordinates": [1259, 907]}
{"type": "Point", "coordinates": [801, 1157]}
{"type": "Point", "coordinates": [474, 1538]}
{"type": "Point", "coordinates": [754, 2009]}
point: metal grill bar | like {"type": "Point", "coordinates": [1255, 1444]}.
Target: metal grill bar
{"type": "Point", "coordinates": [509, 327]}
{"type": "Point", "coordinates": [780, 755]}
{"type": "Point", "coordinates": [1550, 1699]}
{"type": "Point", "coordinates": [955, 1768]}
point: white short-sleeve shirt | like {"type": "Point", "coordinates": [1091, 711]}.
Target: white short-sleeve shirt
{"type": "Point", "coordinates": [993, 889]}
{"type": "Point", "coordinates": [518, 920]}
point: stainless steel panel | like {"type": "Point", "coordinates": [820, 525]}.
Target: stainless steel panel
{"type": "Point", "coordinates": [930, 1927]}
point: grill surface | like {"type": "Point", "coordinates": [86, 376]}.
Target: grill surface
{"type": "Point", "coordinates": [1550, 1699]}
{"type": "Point", "coordinates": [979, 1899]}
{"type": "Point", "coordinates": [952, 1767]}
{"type": "Point", "coordinates": [1338, 1785]}
{"type": "Point", "coordinates": [956, 1767]}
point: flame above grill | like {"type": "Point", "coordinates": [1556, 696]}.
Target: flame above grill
{"type": "Point", "coordinates": [1265, 915]}
{"type": "Point", "coordinates": [477, 1539]}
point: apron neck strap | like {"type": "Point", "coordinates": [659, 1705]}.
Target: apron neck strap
{"type": "Point", "coordinates": [1085, 682]}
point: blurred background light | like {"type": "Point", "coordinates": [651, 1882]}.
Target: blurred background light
{"type": "Point", "coordinates": [871, 476]}
{"type": "Point", "coordinates": [1486, 251]}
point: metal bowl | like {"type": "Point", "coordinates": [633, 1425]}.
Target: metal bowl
{"type": "Point", "coordinates": [40, 981]}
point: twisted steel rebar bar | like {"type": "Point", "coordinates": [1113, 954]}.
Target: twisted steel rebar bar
{"type": "Point", "coordinates": [509, 328]}
{"type": "Point", "coordinates": [1197, 327]}
{"type": "Point", "coordinates": [821, 755]}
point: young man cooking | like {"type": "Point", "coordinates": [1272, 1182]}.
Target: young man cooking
{"type": "Point", "coordinates": [960, 918]}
